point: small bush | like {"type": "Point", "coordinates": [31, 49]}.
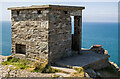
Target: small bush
{"type": "Point", "coordinates": [44, 68]}
{"type": "Point", "coordinates": [12, 59]}
{"type": "Point", "coordinates": [39, 66]}
{"type": "Point", "coordinates": [49, 69]}
{"type": "Point", "coordinates": [15, 60]}
{"type": "Point", "coordinates": [9, 58]}
{"type": "Point", "coordinates": [79, 73]}
{"type": "Point", "coordinates": [79, 70]}
{"type": "Point", "coordinates": [56, 76]}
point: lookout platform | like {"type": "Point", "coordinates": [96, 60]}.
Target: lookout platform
{"type": "Point", "coordinates": [86, 59]}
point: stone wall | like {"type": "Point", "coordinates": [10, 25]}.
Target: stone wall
{"type": "Point", "coordinates": [98, 64]}
{"type": "Point", "coordinates": [60, 38]}
{"type": "Point", "coordinates": [30, 28]}
{"type": "Point", "coordinates": [46, 33]}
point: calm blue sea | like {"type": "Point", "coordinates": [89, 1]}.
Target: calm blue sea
{"type": "Point", "coordinates": [105, 34]}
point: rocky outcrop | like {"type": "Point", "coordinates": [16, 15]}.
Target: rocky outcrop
{"type": "Point", "coordinates": [115, 66]}
{"type": "Point", "coordinates": [11, 71]}
{"type": "Point", "coordinates": [99, 49]}
{"type": "Point", "coordinates": [91, 73]}
{"type": "Point", "coordinates": [6, 71]}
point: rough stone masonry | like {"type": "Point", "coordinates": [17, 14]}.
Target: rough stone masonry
{"type": "Point", "coordinates": [44, 32]}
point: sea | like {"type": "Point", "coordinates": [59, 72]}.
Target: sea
{"type": "Point", "coordinates": [102, 33]}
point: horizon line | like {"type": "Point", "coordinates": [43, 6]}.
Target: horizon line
{"type": "Point", "coordinates": [83, 21]}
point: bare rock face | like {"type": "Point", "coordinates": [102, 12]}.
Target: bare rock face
{"type": "Point", "coordinates": [99, 49]}
{"type": "Point", "coordinates": [90, 73]}
{"type": "Point", "coordinates": [106, 52]}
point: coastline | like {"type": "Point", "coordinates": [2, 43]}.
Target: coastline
{"type": "Point", "coordinates": [4, 58]}
{"type": "Point", "coordinates": [5, 71]}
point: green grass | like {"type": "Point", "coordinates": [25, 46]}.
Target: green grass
{"type": "Point", "coordinates": [25, 64]}
{"type": "Point", "coordinates": [18, 63]}
{"type": "Point", "coordinates": [79, 72]}
{"type": "Point", "coordinates": [46, 69]}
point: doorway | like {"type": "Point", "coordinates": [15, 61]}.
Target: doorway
{"type": "Point", "coordinates": [76, 36]}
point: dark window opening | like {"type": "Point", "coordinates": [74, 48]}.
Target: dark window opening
{"type": "Point", "coordinates": [20, 49]}
{"type": "Point", "coordinates": [39, 12]}
{"type": "Point", "coordinates": [17, 13]}
{"type": "Point", "coordinates": [65, 12]}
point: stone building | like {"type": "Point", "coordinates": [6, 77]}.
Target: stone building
{"type": "Point", "coordinates": [45, 31]}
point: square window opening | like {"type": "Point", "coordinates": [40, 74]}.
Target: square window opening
{"type": "Point", "coordinates": [20, 49]}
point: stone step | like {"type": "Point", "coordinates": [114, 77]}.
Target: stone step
{"type": "Point", "coordinates": [66, 66]}
{"type": "Point", "coordinates": [62, 74]}
{"type": "Point", "coordinates": [63, 65]}
{"type": "Point", "coordinates": [64, 69]}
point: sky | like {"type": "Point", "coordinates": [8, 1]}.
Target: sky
{"type": "Point", "coordinates": [94, 11]}
{"type": "Point", "coordinates": [59, 0]}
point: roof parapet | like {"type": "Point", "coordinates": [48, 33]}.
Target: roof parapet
{"type": "Point", "coordinates": [48, 6]}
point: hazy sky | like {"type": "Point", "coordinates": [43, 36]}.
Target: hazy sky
{"type": "Point", "coordinates": [94, 11]}
{"type": "Point", "coordinates": [59, 0]}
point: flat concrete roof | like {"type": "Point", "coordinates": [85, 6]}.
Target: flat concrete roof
{"type": "Point", "coordinates": [47, 6]}
{"type": "Point", "coordinates": [88, 57]}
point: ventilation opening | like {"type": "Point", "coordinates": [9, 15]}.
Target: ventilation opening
{"type": "Point", "coordinates": [65, 12]}
{"type": "Point", "coordinates": [20, 49]}
{"type": "Point", "coordinates": [39, 12]}
{"type": "Point", "coordinates": [17, 13]}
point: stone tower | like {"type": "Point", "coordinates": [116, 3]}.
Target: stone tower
{"type": "Point", "coordinates": [45, 31]}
